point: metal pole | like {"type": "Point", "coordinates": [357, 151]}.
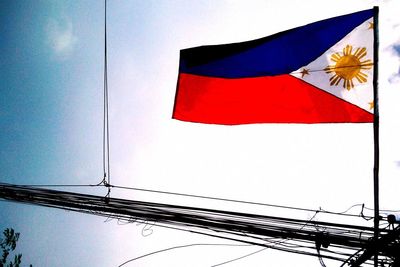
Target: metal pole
{"type": "Point", "coordinates": [376, 136]}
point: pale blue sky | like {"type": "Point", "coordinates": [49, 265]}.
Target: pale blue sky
{"type": "Point", "coordinates": [46, 86]}
{"type": "Point", "coordinates": [51, 75]}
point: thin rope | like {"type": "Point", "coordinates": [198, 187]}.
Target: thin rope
{"type": "Point", "coordinates": [333, 68]}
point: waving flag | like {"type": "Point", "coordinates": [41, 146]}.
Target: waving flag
{"type": "Point", "coordinates": [318, 73]}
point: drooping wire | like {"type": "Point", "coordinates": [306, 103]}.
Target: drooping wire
{"type": "Point", "coordinates": [179, 247]}
{"type": "Point", "coordinates": [273, 245]}
{"type": "Point", "coordinates": [241, 257]}
{"type": "Point", "coordinates": [353, 206]}
{"type": "Point", "coordinates": [351, 257]}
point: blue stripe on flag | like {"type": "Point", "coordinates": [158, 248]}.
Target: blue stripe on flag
{"type": "Point", "coordinates": [280, 53]}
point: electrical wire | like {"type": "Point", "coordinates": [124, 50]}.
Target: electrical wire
{"type": "Point", "coordinates": [297, 235]}
{"type": "Point", "coordinates": [231, 200]}
{"type": "Point", "coordinates": [177, 247]}
{"type": "Point", "coordinates": [239, 258]}
{"type": "Point", "coordinates": [106, 132]}
{"type": "Point", "coordinates": [320, 210]}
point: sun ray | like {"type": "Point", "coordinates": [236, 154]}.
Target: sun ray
{"type": "Point", "coordinates": [360, 52]}
{"type": "Point", "coordinates": [361, 78]}
{"type": "Point", "coordinates": [362, 75]}
{"type": "Point", "coordinates": [347, 50]}
{"type": "Point", "coordinates": [335, 80]}
{"type": "Point", "coordinates": [335, 57]}
{"type": "Point", "coordinates": [367, 64]}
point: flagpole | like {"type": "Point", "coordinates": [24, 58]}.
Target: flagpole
{"type": "Point", "coordinates": [376, 135]}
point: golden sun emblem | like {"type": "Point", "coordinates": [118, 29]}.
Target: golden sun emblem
{"type": "Point", "coordinates": [348, 66]}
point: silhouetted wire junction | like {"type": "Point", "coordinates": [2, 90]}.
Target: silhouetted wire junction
{"type": "Point", "coordinates": [350, 244]}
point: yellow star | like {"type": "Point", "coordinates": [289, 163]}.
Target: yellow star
{"type": "Point", "coordinates": [371, 105]}
{"type": "Point", "coordinates": [304, 72]}
{"type": "Point", "coordinates": [371, 25]}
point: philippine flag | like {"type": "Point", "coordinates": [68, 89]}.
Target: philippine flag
{"type": "Point", "coordinates": [318, 73]}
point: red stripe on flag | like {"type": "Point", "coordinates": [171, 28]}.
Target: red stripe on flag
{"type": "Point", "coordinates": [276, 99]}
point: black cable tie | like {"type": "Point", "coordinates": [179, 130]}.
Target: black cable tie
{"type": "Point", "coordinates": [107, 197]}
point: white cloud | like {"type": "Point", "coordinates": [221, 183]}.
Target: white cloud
{"type": "Point", "coordinates": [61, 37]}
{"type": "Point", "coordinates": [394, 51]}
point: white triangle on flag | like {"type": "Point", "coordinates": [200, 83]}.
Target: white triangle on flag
{"type": "Point", "coordinates": [352, 84]}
